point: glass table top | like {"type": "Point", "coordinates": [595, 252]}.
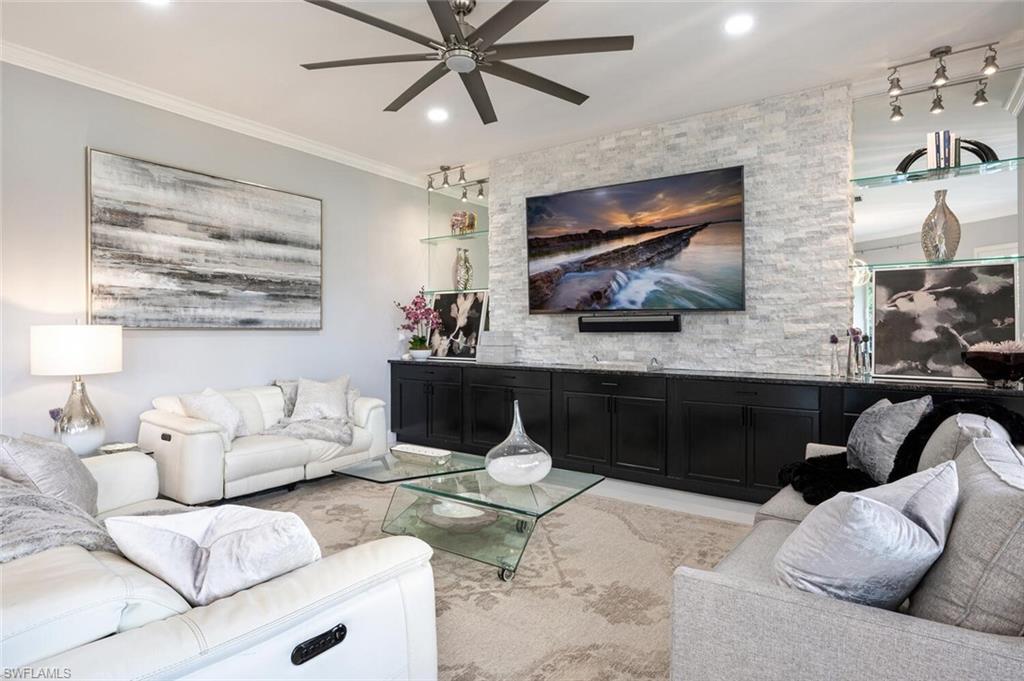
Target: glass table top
{"type": "Point", "coordinates": [479, 489]}
{"type": "Point", "coordinates": [391, 469]}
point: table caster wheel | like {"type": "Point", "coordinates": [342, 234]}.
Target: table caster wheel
{"type": "Point", "coordinates": [506, 575]}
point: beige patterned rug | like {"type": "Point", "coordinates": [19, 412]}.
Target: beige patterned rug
{"type": "Point", "coordinates": [590, 599]}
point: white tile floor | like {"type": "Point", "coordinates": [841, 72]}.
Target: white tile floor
{"type": "Point", "coordinates": [677, 500]}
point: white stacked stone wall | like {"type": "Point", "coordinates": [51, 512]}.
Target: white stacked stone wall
{"type": "Point", "coordinates": [796, 153]}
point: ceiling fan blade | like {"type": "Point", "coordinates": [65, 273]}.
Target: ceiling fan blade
{"type": "Point", "coordinates": [391, 59]}
{"type": "Point", "coordinates": [446, 20]}
{"type": "Point", "coordinates": [503, 21]}
{"type": "Point", "coordinates": [548, 48]}
{"type": "Point", "coordinates": [374, 21]}
{"type": "Point", "coordinates": [474, 83]}
{"type": "Point", "coordinates": [428, 79]}
{"type": "Point", "coordinates": [532, 80]}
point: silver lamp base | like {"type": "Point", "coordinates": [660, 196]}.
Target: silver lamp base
{"type": "Point", "coordinates": [81, 427]}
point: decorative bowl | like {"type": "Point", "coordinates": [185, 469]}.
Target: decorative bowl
{"type": "Point", "coordinates": [999, 369]}
{"type": "Point", "coordinates": [420, 355]}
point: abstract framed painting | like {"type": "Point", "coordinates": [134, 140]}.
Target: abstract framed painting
{"type": "Point", "coordinates": [173, 248]}
{"type": "Point", "coordinates": [925, 317]}
{"type": "Point", "coordinates": [463, 316]}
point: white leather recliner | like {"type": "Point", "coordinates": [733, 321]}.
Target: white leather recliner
{"type": "Point", "coordinates": [73, 613]}
{"type": "Point", "coordinates": [196, 467]}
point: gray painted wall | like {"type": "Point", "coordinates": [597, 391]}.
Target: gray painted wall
{"type": "Point", "coordinates": [371, 224]}
{"type": "Point", "coordinates": [796, 154]}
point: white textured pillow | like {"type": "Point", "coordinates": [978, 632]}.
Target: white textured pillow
{"type": "Point", "coordinates": [49, 467]}
{"type": "Point", "coordinates": [211, 406]}
{"type": "Point", "coordinates": [351, 397]}
{"type": "Point", "coordinates": [316, 400]}
{"type": "Point", "coordinates": [872, 547]}
{"type": "Point", "coordinates": [212, 553]}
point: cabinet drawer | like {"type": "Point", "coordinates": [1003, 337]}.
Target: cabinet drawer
{"type": "Point", "coordinates": [428, 372]}
{"type": "Point", "coordinates": [508, 377]}
{"type": "Point", "coordinates": [753, 394]}
{"type": "Point", "coordinates": [612, 384]}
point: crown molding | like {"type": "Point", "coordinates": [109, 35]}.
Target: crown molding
{"type": "Point", "coordinates": [25, 57]}
{"type": "Point", "coordinates": [1015, 102]}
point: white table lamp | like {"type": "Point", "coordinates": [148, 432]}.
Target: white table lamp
{"type": "Point", "coordinates": [77, 350]}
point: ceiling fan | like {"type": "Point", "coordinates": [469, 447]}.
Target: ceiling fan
{"type": "Point", "coordinates": [467, 50]}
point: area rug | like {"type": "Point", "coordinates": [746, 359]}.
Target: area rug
{"type": "Point", "coordinates": [590, 600]}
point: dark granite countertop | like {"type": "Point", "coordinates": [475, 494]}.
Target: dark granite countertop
{"type": "Point", "coordinates": [746, 377]}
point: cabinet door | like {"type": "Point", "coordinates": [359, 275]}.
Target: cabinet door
{"type": "Point", "coordinates": [588, 426]}
{"type": "Point", "coordinates": [488, 414]}
{"type": "Point", "coordinates": [445, 422]}
{"type": "Point", "coordinates": [714, 442]}
{"type": "Point", "coordinates": [778, 437]}
{"type": "Point", "coordinates": [535, 410]}
{"type": "Point", "coordinates": [411, 413]}
{"type": "Point", "coordinates": [639, 433]}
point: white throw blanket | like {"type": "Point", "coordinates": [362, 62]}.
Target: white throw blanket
{"type": "Point", "coordinates": [328, 430]}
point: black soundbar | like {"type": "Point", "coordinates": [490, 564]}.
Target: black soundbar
{"type": "Point", "coordinates": [654, 323]}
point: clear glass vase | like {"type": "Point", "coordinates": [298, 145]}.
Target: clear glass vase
{"type": "Point", "coordinates": [518, 460]}
{"type": "Point", "coordinates": [834, 371]}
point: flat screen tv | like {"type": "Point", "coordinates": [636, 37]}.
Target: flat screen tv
{"type": "Point", "coordinates": [668, 244]}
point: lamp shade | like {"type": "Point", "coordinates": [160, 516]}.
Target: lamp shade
{"type": "Point", "coordinates": [74, 350]}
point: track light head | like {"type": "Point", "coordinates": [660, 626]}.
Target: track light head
{"type": "Point", "coordinates": [895, 88]}
{"type": "Point", "coordinates": [480, 191]}
{"type": "Point", "coordinates": [462, 176]}
{"type": "Point", "coordinates": [979, 96]}
{"type": "Point", "coordinates": [941, 77]}
{"type": "Point", "coordinates": [937, 107]}
{"type": "Point", "coordinates": [444, 181]}
{"type": "Point", "coordinates": [464, 195]}
{"type": "Point", "coordinates": [990, 66]}
{"type": "Point", "coordinates": [430, 183]}
{"type": "Point", "coordinates": [897, 110]}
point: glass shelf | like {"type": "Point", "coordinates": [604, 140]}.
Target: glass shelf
{"type": "Point", "coordinates": [474, 289]}
{"type": "Point", "coordinates": [1005, 165]}
{"type": "Point", "coordinates": [959, 262]}
{"type": "Point", "coordinates": [454, 237]}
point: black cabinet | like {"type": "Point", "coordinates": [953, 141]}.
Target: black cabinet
{"type": "Point", "coordinates": [732, 438]}
{"type": "Point", "coordinates": [708, 434]}
{"type": "Point", "coordinates": [489, 396]}
{"type": "Point", "coordinates": [426, 405]}
{"type": "Point", "coordinates": [614, 421]}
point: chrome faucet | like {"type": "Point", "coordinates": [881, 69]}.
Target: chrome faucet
{"type": "Point", "coordinates": [596, 358]}
{"type": "Point", "coordinates": [654, 365]}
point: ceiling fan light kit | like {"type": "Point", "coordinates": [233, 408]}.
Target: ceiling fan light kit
{"type": "Point", "coordinates": [941, 79]}
{"type": "Point", "coordinates": [468, 50]}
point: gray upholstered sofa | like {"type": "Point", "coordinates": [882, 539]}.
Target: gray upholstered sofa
{"type": "Point", "coordinates": [736, 624]}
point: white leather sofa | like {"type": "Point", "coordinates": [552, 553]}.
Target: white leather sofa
{"type": "Point", "coordinates": [195, 467]}
{"type": "Point", "coordinates": [72, 613]}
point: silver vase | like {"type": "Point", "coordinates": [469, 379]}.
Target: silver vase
{"type": "Point", "coordinates": [940, 233]}
{"type": "Point", "coordinates": [463, 269]}
{"type": "Point", "coordinates": [81, 426]}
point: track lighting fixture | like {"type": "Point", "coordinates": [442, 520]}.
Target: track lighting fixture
{"type": "Point", "coordinates": [894, 83]}
{"type": "Point", "coordinates": [480, 191]}
{"type": "Point", "coordinates": [941, 80]}
{"type": "Point", "coordinates": [897, 110]}
{"type": "Point", "coordinates": [941, 77]}
{"type": "Point", "coordinates": [444, 178]}
{"type": "Point", "coordinates": [430, 183]}
{"type": "Point", "coordinates": [462, 176]}
{"type": "Point", "coordinates": [464, 196]}
{"type": "Point", "coordinates": [979, 96]}
{"type": "Point", "coordinates": [990, 66]}
{"type": "Point", "coordinates": [444, 182]}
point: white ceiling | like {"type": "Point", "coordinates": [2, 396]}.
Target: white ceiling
{"type": "Point", "coordinates": [242, 58]}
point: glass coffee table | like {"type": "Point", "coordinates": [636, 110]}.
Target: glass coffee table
{"type": "Point", "coordinates": [472, 515]}
{"type": "Point", "coordinates": [389, 468]}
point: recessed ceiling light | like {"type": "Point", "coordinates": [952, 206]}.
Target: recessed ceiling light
{"type": "Point", "coordinates": [438, 115]}
{"type": "Point", "coordinates": [738, 24]}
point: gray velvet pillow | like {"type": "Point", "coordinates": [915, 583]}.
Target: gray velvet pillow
{"type": "Point", "coordinates": [978, 583]}
{"type": "Point", "coordinates": [872, 547]}
{"type": "Point", "coordinates": [48, 467]}
{"type": "Point", "coordinates": [878, 433]}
